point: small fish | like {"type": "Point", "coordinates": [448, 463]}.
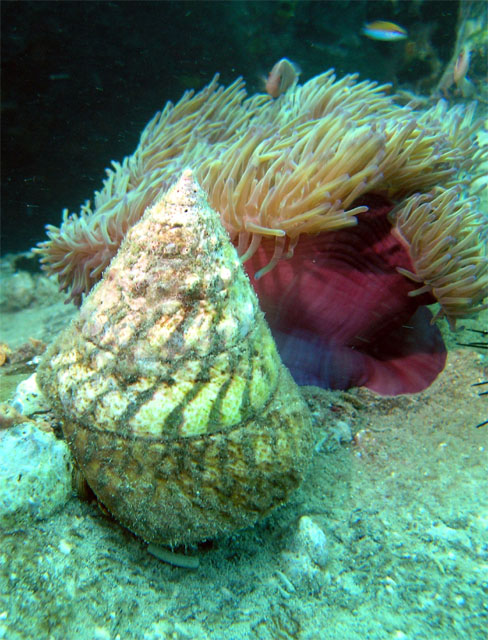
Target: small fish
{"type": "Point", "coordinates": [462, 65]}
{"type": "Point", "coordinates": [387, 31]}
{"type": "Point", "coordinates": [281, 77]}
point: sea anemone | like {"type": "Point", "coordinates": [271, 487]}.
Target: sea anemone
{"type": "Point", "coordinates": [443, 235]}
{"type": "Point", "coordinates": [329, 163]}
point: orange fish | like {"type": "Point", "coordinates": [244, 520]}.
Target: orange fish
{"type": "Point", "coordinates": [462, 65]}
{"type": "Point", "coordinates": [281, 77]}
{"type": "Point", "coordinates": [386, 31]}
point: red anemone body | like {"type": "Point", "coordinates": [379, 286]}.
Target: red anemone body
{"type": "Point", "coordinates": [341, 313]}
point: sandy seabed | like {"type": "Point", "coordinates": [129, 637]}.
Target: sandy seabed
{"type": "Point", "coordinates": [398, 485]}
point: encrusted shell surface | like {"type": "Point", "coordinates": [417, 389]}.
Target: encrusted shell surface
{"type": "Point", "coordinates": [172, 394]}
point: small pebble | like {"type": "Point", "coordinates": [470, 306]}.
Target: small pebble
{"type": "Point", "coordinates": [311, 540]}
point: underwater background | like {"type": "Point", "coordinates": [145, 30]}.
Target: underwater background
{"type": "Point", "coordinates": [388, 535]}
{"type": "Point", "coordinates": [81, 79]}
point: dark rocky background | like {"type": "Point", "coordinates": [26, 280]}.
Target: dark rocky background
{"type": "Point", "coordinates": [81, 79]}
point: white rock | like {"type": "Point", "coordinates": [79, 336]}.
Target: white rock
{"type": "Point", "coordinates": [35, 476]}
{"type": "Point", "coordinates": [28, 398]}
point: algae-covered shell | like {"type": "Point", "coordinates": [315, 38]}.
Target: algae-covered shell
{"type": "Point", "coordinates": [171, 392]}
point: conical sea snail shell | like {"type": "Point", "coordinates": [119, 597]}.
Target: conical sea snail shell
{"type": "Point", "coordinates": [170, 388]}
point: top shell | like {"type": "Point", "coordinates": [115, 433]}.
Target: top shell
{"type": "Point", "coordinates": [173, 397]}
